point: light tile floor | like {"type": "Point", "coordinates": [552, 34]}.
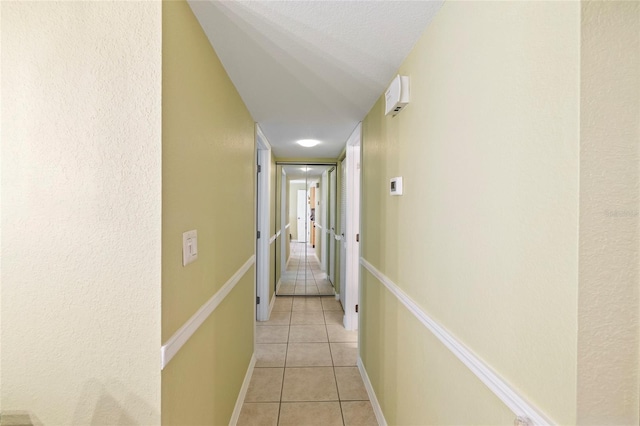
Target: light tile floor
{"type": "Point", "coordinates": [304, 275]}
{"type": "Point", "coordinates": [306, 370]}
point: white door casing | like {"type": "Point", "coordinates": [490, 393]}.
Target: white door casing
{"type": "Point", "coordinates": [352, 233]}
{"type": "Point", "coordinates": [262, 226]}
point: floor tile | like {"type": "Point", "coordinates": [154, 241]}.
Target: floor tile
{"type": "Point", "coordinates": [272, 334]}
{"type": "Point", "coordinates": [307, 304]}
{"type": "Point", "coordinates": [276, 318]}
{"type": "Point", "coordinates": [310, 414]}
{"type": "Point", "coordinates": [331, 304]}
{"type": "Point", "coordinates": [337, 333]}
{"type": "Point", "coordinates": [309, 384]}
{"type": "Point", "coordinates": [307, 317]}
{"type": "Point", "coordinates": [309, 355]}
{"type": "Point", "coordinates": [283, 304]}
{"type": "Point", "coordinates": [259, 414]}
{"type": "Point", "coordinates": [334, 317]}
{"type": "Point", "coordinates": [265, 386]}
{"type": "Point", "coordinates": [358, 413]}
{"type": "Point", "coordinates": [271, 355]}
{"type": "Point", "coordinates": [286, 289]}
{"type": "Point", "coordinates": [350, 384]}
{"type": "Point", "coordinates": [308, 333]}
{"type": "Point", "coordinates": [344, 354]}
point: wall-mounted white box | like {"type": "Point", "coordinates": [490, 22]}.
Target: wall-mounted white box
{"type": "Point", "coordinates": [395, 186]}
{"type": "Point", "coordinates": [189, 247]}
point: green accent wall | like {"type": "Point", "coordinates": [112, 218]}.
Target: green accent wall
{"type": "Point", "coordinates": [208, 184]}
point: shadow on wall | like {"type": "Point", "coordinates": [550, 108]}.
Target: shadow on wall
{"type": "Point", "coordinates": [98, 406]}
{"type": "Point", "coordinates": [19, 418]}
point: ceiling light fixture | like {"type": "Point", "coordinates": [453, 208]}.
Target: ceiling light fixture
{"type": "Point", "coordinates": [305, 169]}
{"type": "Point", "coordinates": [308, 143]}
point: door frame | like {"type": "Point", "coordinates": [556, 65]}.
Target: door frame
{"type": "Point", "coordinates": [352, 285]}
{"type": "Point", "coordinates": [263, 197]}
{"type": "Point", "coordinates": [284, 215]}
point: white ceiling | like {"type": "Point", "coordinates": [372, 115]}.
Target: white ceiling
{"type": "Point", "coordinates": [312, 69]}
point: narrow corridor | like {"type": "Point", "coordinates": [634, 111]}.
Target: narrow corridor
{"type": "Point", "coordinates": [306, 370]}
{"type": "Point", "coordinates": [303, 274]}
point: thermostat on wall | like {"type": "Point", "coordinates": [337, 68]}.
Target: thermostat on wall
{"type": "Point", "coordinates": [395, 186]}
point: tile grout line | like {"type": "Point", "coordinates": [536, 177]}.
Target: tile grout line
{"type": "Point", "coordinates": [333, 364]}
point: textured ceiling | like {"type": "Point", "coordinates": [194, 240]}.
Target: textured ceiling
{"type": "Point", "coordinates": [312, 69]}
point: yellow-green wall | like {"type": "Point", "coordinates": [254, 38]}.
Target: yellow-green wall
{"type": "Point", "coordinates": [484, 238]}
{"type": "Point", "coordinates": [208, 184]}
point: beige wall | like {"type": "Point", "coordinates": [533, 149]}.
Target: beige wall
{"type": "Point", "coordinates": [81, 194]}
{"type": "Point", "coordinates": [608, 359]}
{"type": "Point", "coordinates": [485, 237]}
{"type": "Point", "coordinates": [207, 139]}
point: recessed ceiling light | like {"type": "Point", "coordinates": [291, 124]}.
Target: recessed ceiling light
{"type": "Point", "coordinates": [308, 143]}
{"type": "Point", "coordinates": [305, 169]}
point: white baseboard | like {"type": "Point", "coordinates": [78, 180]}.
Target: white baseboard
{"type": "Point", "coordinates": [337, 296]}
{"type": "Point", "coordinates": [243, 392]}
{"type": "Point", "coordinates": [272, 303]}
{"type": "Point", "coordinates": [372, 394]}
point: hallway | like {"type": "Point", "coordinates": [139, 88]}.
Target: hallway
{"type": "Point", "coordinates": [304, 275]}
{"type": "Point", "coordinates": [306, 370]}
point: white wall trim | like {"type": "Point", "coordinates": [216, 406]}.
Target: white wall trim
{"type": "Point", "coordinates": [272, 303]}
{"type": "Point", "coordinates": [243, 392]}
{"type": "Point", "coordinates": [273, 238]}
{"type": "Point", "coordinates": [492, 380]}
{"type": "Point", "coordinates": [262, 138]}
{"type": "Point", "coordinates": [377, 410]}
{"type": "Point", "coordinates": [278, 286]}
{"type": "Point", "coordinates": [338, 297]}
{"type": "Point", "coordinates": [180, 337]}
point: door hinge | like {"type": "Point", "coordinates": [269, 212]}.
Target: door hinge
{"type": "Point", "coordinates": [258, 234]}
{"type": "Point", "coordinates": [356, 308]}
{"type": "Point", "coordinates": [357, 238]}
{"type": "Point", "coordinates": [259, 168]}
{"type": "Point", "coordinates": [258, 300]}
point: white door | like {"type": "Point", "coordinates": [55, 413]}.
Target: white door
{"type": "Point", "coordinates": [302, 215]}
{"type": "Point", "coordinates": [332, 225]}
{"type": "Point", "coordinates": [352, 232]}
{"type": "Point", "coordinates": [343, 227]}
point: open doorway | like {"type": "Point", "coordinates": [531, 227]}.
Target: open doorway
{"type": "Point", "coordinates": [305, 214]}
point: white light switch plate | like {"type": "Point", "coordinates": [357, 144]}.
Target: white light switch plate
{"type": "Point", "coordinates": [189, 247]}
{"type": "Point", "coordinates": [395, 186]}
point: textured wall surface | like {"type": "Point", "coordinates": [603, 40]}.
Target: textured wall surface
{"type": "Point", "coordinates": [208, 184]}
{"type": "Point", "coordinates": [608, 360]}
{"type": "Point", "coordinates": [81, 123]}
{"type": "Point", "coordinates": [485, 236]}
